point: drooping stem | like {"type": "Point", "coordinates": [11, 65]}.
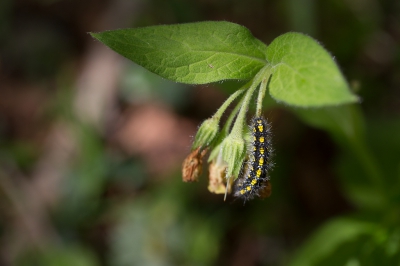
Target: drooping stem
{"type": "Point", "coordinates": [225, 130]}
{"type": "Point", "coordinates": [228, 101]}
{"type": "Point", "coordinates": [229, 121]}
{"type": "Point", "coordinates": [261, 93]}
{"type": "Point", "coordinates": [237, 129]}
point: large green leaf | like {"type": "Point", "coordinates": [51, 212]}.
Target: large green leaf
{"type": "Point", "coordinates": [304, 73]}
{"type": "Point", "coordinates": [360, 173]}
{"type": "Point", "coordinates": [193, 53]}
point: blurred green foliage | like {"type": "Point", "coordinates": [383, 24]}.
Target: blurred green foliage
{"type": "Point", "coordinates": [336, 183]}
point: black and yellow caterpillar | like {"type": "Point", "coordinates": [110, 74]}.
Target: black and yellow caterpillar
{"type": "Point", "coordinates": [254, 178]}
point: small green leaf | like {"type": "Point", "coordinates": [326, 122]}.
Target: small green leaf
{"type": "Point", "coordinates": [304, 73]}
{"type": "Point", "coordinates": [193, 53]}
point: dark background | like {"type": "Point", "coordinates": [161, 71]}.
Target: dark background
{"type": "Point", "coordinates": [91, 144]}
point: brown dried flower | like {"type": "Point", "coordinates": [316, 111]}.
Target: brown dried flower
{"type": "Point", "coordinates": [217, 181]}
{"type": "Point", "coordinates": [192, 165]}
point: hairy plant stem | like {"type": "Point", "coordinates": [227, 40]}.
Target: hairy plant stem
{"type": "Point", "coordinates": [261, 93]}
{"type": "Point", "coordinates": [237, 130]}
{"type": "Point", "coordinates": [229, 121]}
{"type": "Point", "coordinates": [228, 101]}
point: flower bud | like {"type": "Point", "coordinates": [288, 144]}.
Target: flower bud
{"type": "Point", "coordinates": [233, 149]}
{"type": "Point", "coordinates": [207, 133]}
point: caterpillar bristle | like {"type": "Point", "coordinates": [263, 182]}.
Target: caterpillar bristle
{"type": "Point", "coordinates": [254, 178]}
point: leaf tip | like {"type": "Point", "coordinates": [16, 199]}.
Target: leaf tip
{"type": "Point", "coordinates": [94, 35]}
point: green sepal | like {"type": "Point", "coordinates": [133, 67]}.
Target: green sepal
{"type": "Point", "coordinates": [207, 133]}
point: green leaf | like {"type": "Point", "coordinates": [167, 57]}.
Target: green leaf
{"type": "Point", "coordinates": [324, 244]}
{"type": "Point", "coordinates": [193, 53]}
{"type": "Point", "coordinates": [304, 73]}
{"type": "Point", "coordinates": [359, 171]}
{"type": "Point", "coordinates": [344, 123]}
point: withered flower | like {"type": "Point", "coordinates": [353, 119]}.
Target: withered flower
{"type": "Point", "coordinates": [217, 181]}
{"type": "Point", "coordinates": [192, 165]}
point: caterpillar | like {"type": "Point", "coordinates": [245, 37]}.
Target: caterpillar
{"type": "Point", "coordinates": [254, 178]}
